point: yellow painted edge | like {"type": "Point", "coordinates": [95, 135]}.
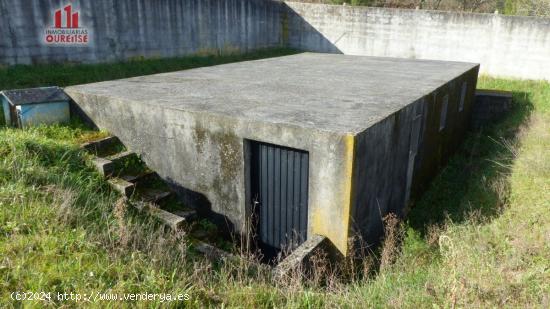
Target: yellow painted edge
{"type": "Point", "coordinates": [346, 203]}
{"type": "Point", "coordinates": [322, 222]}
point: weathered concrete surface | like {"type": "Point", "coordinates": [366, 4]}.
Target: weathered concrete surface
{"type": "Point", "coordinates": [397, 157]}
{"type": "Point", "coordinates": [191, 126]}
{"type": "Point", "coordinates": [508, 46]}
{"type": "Point", "coordinates": [125, 29]}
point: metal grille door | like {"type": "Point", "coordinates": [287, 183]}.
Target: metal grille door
{"type": "Point", "coordinates": [279, 183]}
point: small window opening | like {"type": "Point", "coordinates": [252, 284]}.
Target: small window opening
{"type": "Point", "coordinates": [444, 107]}
{"type": "Point", "coordinates": [463, 96]}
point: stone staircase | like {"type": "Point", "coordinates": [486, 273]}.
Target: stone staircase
{"type": "Point", "coordinates": [145, 190]}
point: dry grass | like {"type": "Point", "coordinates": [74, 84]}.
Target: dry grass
{"type": "Point", "coordinates": [393, 235]}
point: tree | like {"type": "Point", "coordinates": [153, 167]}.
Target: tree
{"type": "Point", "coordinates": [475, 5]}
{"type": "Point", "coordinates": [509, 7]}
{"type": "Point", "coordinates": [528, 7]}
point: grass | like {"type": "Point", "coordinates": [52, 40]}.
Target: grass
{"type": "Point", "coordinates": [478, 238]}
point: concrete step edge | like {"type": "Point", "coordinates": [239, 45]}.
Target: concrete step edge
{"type": "Point", "coordinates": [122, 186]}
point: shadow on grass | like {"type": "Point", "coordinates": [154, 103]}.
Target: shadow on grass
{"type": "Point", "coordinates": [476, 179]}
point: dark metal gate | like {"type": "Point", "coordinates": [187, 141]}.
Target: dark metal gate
{"type": "Point", "coordinates": [279, 189]}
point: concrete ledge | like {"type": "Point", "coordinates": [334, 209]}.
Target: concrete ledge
{"type": "Point", "coordinates": [490, 106]}
{"type": "Point", "coordinates": [300, 256]}
{"type": "Point", "coordinates": [494, 93]}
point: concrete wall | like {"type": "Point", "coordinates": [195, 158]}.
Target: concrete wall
{"type": "Point", "coordinates": [202, 155]}
{"type": "Point", "coordinates": [507, 46]}
{"type": "Point", "coordinates": [491, 105]}
{"type": "Point", "coordinates": [389, 169]}
{"type": "Point", "coordinates": [122, 29]}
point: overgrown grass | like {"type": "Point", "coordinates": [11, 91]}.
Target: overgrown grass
{"type": "Point", "coordinates": [478, 238]}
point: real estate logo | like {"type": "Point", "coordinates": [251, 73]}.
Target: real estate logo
{"type": "Point", "coordinates": [66, 29]}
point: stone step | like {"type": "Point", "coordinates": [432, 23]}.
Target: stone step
{"type": "Point", "coordinates": [121, 156]}
{"type": "Point", "coordinates": [169, 219]}
{"type": "Point", "coordinates": [174, 220]}
{"type": "Point", "coordinates": [155, 196]}
{"type": "Point", "coordinates": [122, 186]}
{"type": "Point", "coordinates": [188, 215]}
{"type": "Point", "coordinates": [104, 166]}
{"type": "Point", "coordinates": [143, 177]}
{"type": "Point", "coordinates": [101, 145]}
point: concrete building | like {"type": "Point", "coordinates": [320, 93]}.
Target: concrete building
{"type": "Point", "coordinates": [312, 143]}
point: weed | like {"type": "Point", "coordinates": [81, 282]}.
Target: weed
{"type": "Point", "coordinates": [393, 235]}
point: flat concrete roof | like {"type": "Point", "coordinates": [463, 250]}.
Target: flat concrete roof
{"type": "Point", "coordinates": [328, 92]}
